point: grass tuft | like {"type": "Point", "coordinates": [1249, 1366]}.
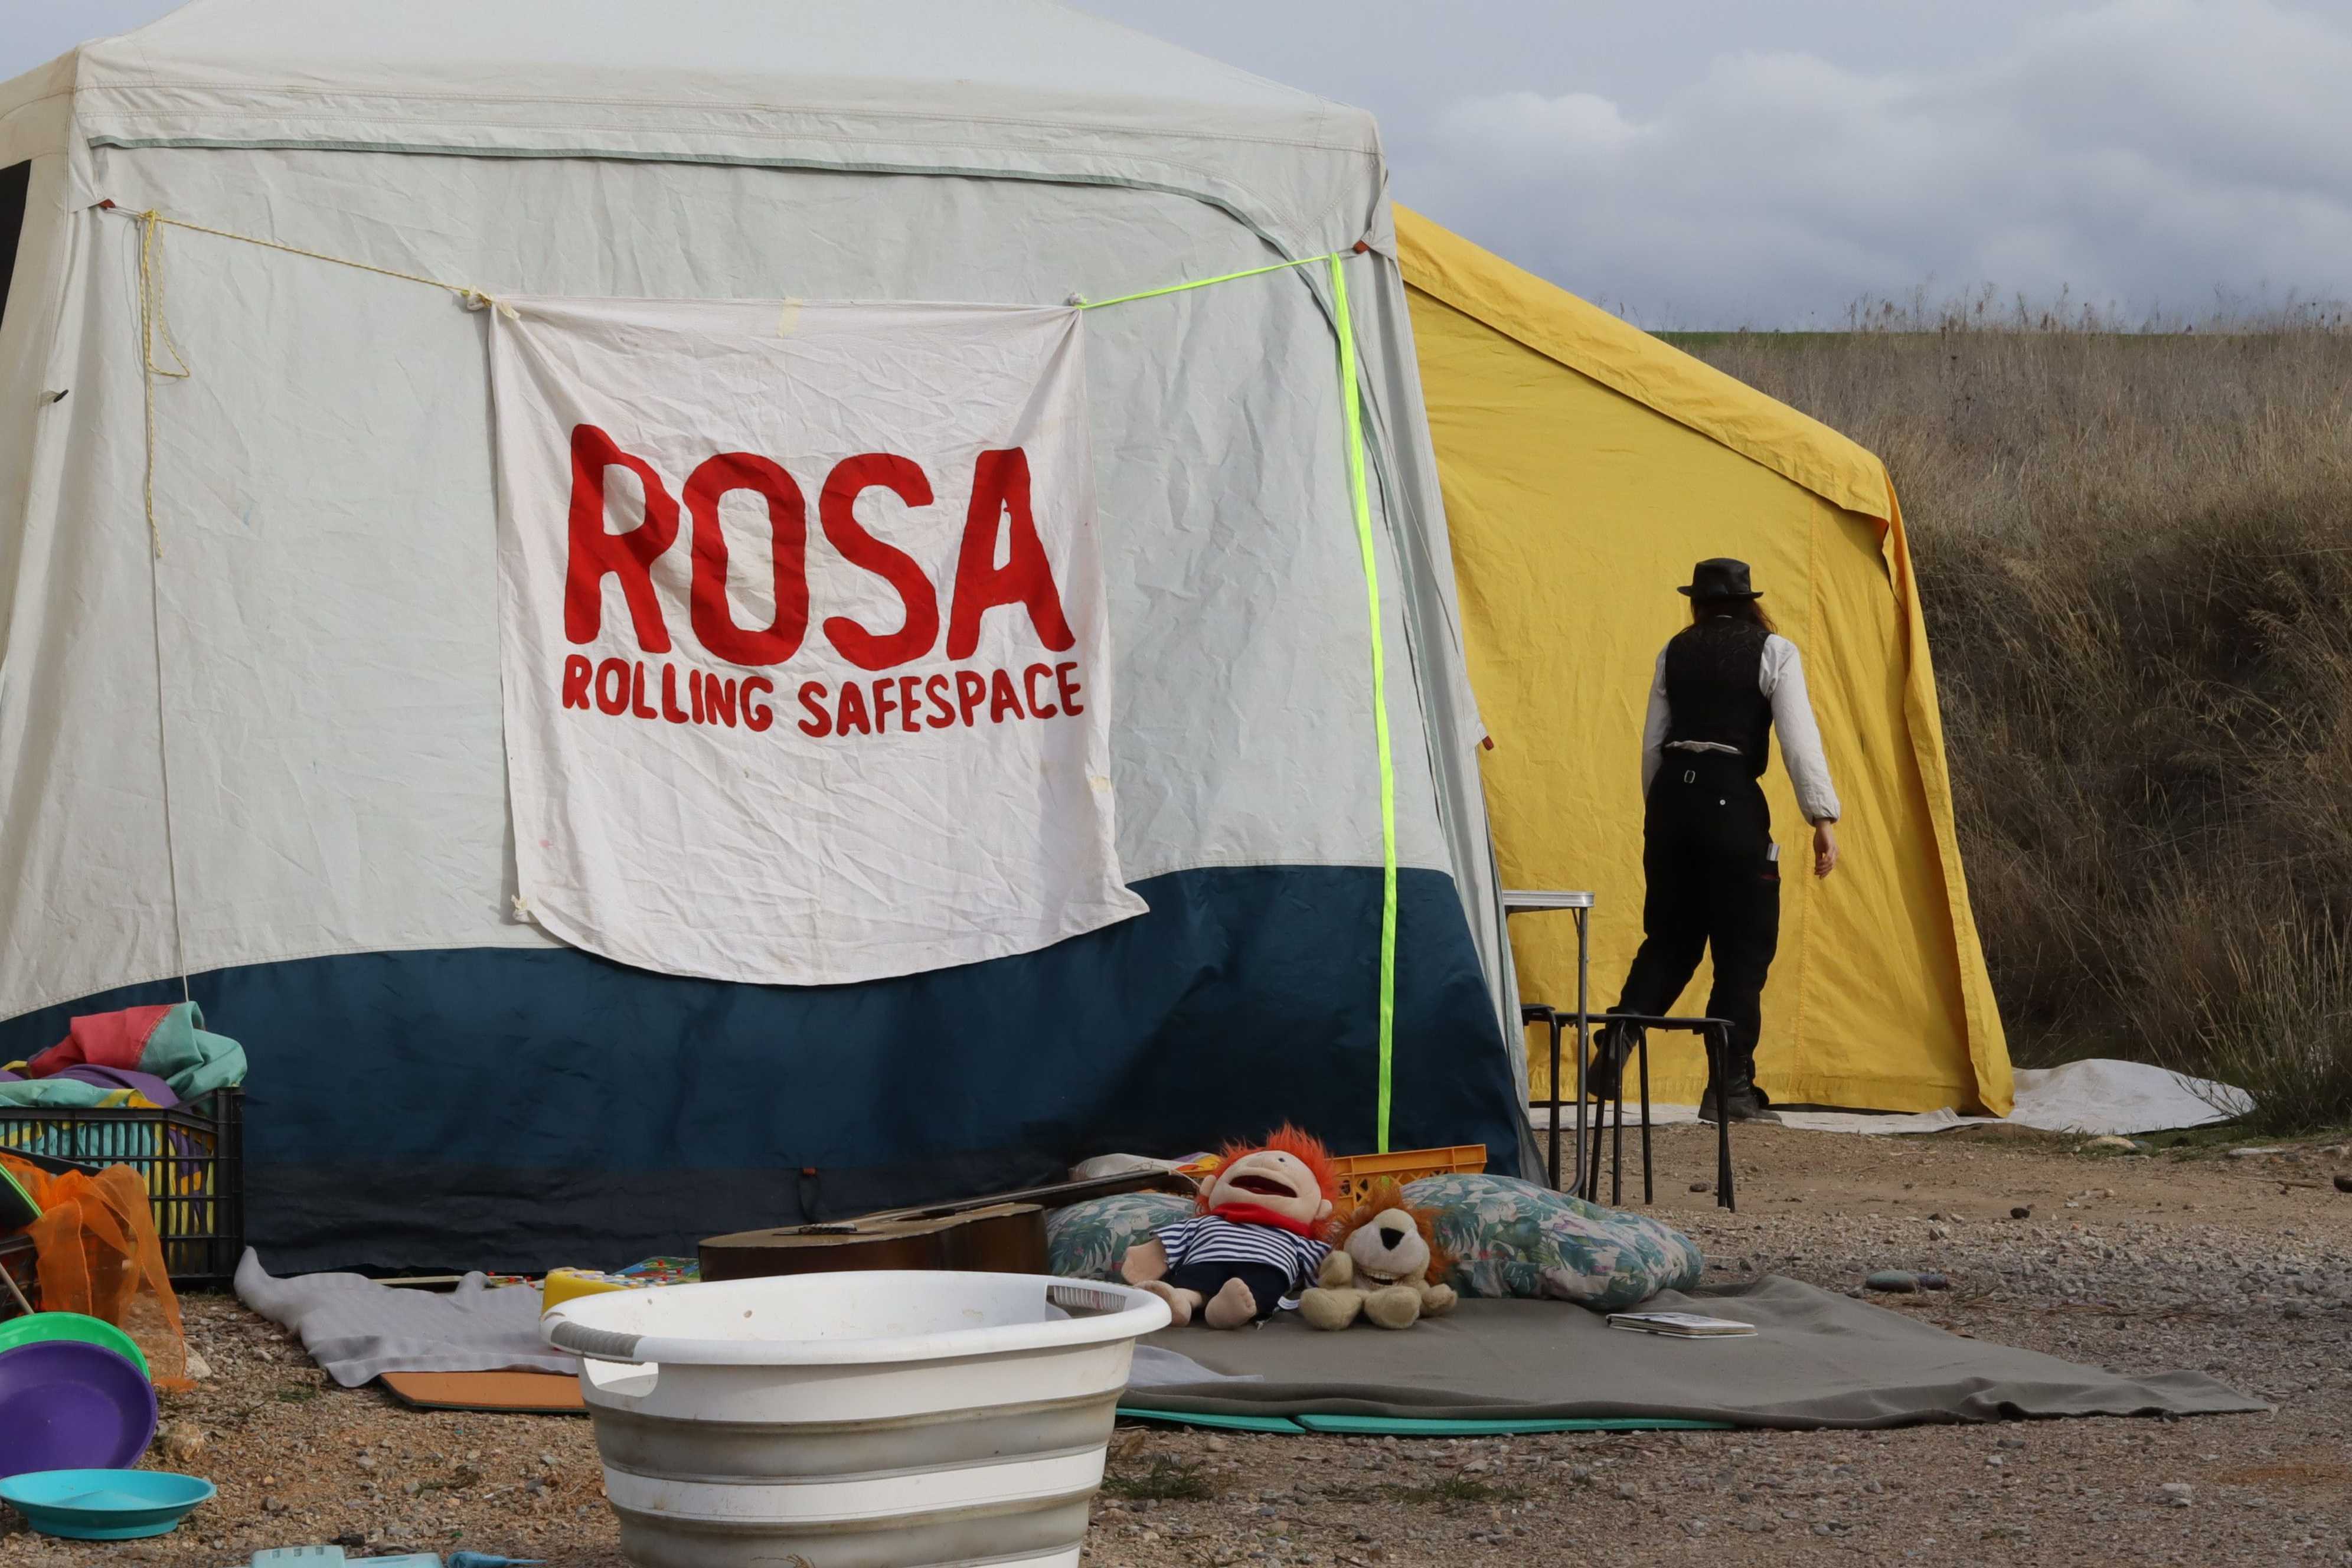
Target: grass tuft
{"type": "Point", "coordinates": [1166, 1481]}
{"type": "Point", "coordinates": [1452, 1492]}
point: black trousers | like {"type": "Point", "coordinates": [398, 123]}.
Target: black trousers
{"type": "Point", "coordinates": [1267, 1285]}
{"type": "Point", "coordinates": [1707, 855]}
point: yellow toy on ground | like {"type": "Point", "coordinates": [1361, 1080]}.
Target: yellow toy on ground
{"type": "Point", "coordinates": [1388, 1268]}
{"type": "Point", "coordinates": [569, 1284]}
{"type": "Point", "coordinates": [563, 1285]}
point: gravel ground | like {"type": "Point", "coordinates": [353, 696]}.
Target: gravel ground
{"type": "Point", "coordinates": [2239, 1266]}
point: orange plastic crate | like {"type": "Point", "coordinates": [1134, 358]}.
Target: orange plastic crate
{"type": "Point", "coordinates": [1358, 1171]}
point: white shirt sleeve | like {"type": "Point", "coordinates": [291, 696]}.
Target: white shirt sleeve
{"type": "Point", "coordinates": [1654, 726]}
{"type": "Point", "coordinates": [1177, 1239]}
{"type": "Point", "coordinates": [1782, 679]}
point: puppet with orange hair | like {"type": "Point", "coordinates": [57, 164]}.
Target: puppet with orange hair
{"type": "Point", "coordinates": [1262, 1231]}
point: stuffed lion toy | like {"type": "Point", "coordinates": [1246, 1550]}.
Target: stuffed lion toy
{"type": "Point", "coordinates": [1384, 1268]}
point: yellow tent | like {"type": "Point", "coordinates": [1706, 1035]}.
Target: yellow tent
{"type": "Point", "coordinates": [1586, 465]}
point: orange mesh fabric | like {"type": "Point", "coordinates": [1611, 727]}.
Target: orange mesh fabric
{"type": "Point", "coordinates": [96, 1251]}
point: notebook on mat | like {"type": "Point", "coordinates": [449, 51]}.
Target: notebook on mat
{"type": "Point", "coordinates": [1680, 1325]}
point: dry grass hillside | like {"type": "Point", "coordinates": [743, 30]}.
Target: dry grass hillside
{"type": "Point", "coordinates": [2136, 555]}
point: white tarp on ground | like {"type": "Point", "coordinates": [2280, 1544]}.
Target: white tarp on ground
{"type": "Point", "coordinates": [806, 669]}
{"type": "Point", "coordinates": [2097, 1098]}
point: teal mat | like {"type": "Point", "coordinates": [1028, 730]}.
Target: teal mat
{"type": "Point", "coordinates": [1411, 1426]}
{"type": "Point", "coordinates": [1221, 1423]}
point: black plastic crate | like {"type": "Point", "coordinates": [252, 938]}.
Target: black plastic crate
{"type": "Point", "coordinates": [17, 1261]}
{"type": "Point", "coordinates": [190, 1158]}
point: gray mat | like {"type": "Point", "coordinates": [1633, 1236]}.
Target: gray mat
{"type": "Point", "coordinates": [1816, 1360]}
{"type": "Point", "coordinates": [1156, 1366]}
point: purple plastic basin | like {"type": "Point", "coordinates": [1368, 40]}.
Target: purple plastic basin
{"type": "Point", "coordinates": [69, 1406]}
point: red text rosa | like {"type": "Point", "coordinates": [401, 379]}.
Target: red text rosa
{"type": "Point", "coordinates": [999, 519]}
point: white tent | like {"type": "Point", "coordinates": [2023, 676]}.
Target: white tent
{"type": "Point", "coordinates": [270, 759]}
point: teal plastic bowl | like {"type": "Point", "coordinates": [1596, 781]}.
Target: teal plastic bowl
{"type": "Point", "coordinates": [104, 1505]}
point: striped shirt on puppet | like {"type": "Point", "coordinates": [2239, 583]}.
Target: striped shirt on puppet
{"type": "Point", "coordinates": [1210, 1239]}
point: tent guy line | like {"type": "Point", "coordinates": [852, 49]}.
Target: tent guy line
{"type": "Point", "coordinates": [480, 300]}
{"type": "Point", "coordinates": [472, 299]}
{"type": "Point", "coordinates": [150, 321]}
{"type": "Point", "coordinates": [1359, 495]}
{"type": "Point", "coordinates": [1335, 257]}
{"type": "Point", "coordinates": [154, 322]}
{"type": "Point", "coordinates": [1363, 505]}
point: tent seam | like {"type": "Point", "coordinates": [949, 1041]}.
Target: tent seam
{"type": "Point", "coordinates": [1207, 197]}
{"type": "Point", "coordinates": [18, 107]}
{"type": "Point", "coordinates": [1805, 895]}
{"type": "Point", "coordinates": [576, 101]}
{"type": "Point", "coordinates": [424, 148]}
{"type": "Point", "coordinates": [1928, 760]}
{"type": "Point", "coordinates": [1434, 280]}
{"type": "Point", "coordinates": [1810, 483]}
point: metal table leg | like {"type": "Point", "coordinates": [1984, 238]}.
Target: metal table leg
{"type": "Point", "coordinates": [1579, 906]}
{"type": "Point", "coordinates": [1599, 1141]}
{"type": "Point", "coordinates": [1551, 1019]}
{"type": "Point", "coordinates": [1617, 1148]}
{"type": "Point", "coordinates": [1591, 1188]}
{"type": "Point", "coordinates": [1646, 1195]}
{"type": "Point", "coordinates": [1583, 1044]}
{"type": "Point", "coordinates": [1718, 1068]}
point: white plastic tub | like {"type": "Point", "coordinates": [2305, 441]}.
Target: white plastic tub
{"type": "Point", "coordinates": [854, 1420]}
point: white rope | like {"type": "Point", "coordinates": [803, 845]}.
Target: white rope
{"type": "Point", "coordinates": [154, 326]}
{"type": "Point", "coordinates": [152, 322]}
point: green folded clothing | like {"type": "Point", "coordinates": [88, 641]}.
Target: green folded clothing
{"type": "Point", "coordinates": [64, 1093]}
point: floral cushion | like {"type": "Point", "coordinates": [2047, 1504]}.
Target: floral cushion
{"type": "Point", "coordinates": [1511, 1238]}
{"type": "Point", "coordinates": [1517, 1239]}
{"type": "Point", "coordinates": [1086, 1241]}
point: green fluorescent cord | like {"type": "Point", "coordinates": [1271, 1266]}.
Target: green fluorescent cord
{"type": "Point", "coordinates": [1205, 282]}
{"type": "Point", "coordinates": [1363, 499]}
{"type": "Point", "coordinates": [1361, 495]}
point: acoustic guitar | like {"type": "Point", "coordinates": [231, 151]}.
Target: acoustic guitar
{"type": "Point", "coordinates": [1003, 1233]}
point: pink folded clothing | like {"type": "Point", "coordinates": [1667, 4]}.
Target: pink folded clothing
{"type": "Point", "coordinates": [166, 1041]}
{"type": "Point", "coordinates": [102, 1040]}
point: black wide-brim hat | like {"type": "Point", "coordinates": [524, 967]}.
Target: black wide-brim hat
{"type": "Point", "coordinates": [1721, 578]}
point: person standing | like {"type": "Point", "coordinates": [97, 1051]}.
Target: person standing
{"type": "Point", "coordinates": [1723, 686]}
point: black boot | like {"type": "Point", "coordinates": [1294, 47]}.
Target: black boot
{"type": "Point", "coordinates": [1612, 1046]}
{"type": "Point", "coordinates": [1746, 1102]}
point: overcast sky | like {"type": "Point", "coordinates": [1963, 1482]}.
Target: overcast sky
{"type": "Point", "coordinates": [1767, 162]}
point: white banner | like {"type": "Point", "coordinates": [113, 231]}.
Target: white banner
{"type": "Point", "coordinates": [807, 679]}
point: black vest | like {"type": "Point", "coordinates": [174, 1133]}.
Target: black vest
{"type": "Point", "coordinates": [1712, 692]}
